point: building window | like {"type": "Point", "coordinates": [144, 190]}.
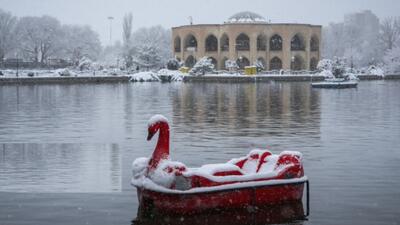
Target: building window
{"type": "Point", "coordinates": [314, 44]}
{"type": "Point", "coordinates": [177, 44]}
{"type": "Point", "coordinates": [297, 63]}
{"type": "Point", "coordinates": [313, 64]}
{"type": "Point", "coordinates": [275, 64]}
{"type": "Point", "coordinates": [190, 61]}
{"type": "Point", "coordinates": [224, 43]}
{"type": "Point", "coordinates": [243, 42]}
{"type": "Point", "coordinates": [242, 62]}
{"type": "Point", "coordinates": [190, 43]}
{"type": "Point", "coordinates": [275, 43]}
{"type": "Point", "coordinates": [261, 43]}
{"type": "Point", "coordinates": [297, 43]}
{"type": "Point", "coordinates": [211, 43]}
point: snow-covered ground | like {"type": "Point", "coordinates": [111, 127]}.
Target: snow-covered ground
{"type": "Point", "coordinates": [163, 74]}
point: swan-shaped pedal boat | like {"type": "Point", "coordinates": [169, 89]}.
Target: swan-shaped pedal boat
{"type": "Point", "coordinates": [256, 180]}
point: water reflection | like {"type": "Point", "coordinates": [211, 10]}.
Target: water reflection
{"type": "Point", "coordinates": [287, 213]}
{"type": "Point", "coordinates": [248, 109]}
{"type": "Point", "coordinates": [60, 167]}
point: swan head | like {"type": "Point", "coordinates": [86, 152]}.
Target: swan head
{"type": "Point", "coordinates": [154, 124]}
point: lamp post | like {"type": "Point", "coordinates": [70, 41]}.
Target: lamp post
{"type": "Point", "coordinates": [17, 64]}
{"type": "Point", "coordinates": [110, 18]}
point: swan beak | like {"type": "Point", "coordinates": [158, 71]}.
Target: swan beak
{"type": "Point", "coordinates": [149, 136]}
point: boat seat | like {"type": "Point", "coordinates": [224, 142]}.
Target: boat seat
{"type": "Point", "coordinates": [254, 161]}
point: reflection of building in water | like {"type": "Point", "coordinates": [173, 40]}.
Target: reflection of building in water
{"type": "Point", "coordinates": [280, 107]}
{"type": "Point", "coordinates": [248, 37]}
{"type": "Point", "coordinates": [60, 167]}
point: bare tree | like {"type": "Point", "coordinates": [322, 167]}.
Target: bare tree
{"type": "Point", "coordinates": [390, 32]}
{"type": "Point", "coordinates": [39, 37]}
{"type": "Point", "coordinates": [127, 35]}
{"type": "Point", "coordinates": [7, 29]}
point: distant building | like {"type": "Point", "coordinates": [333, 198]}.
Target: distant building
{"type": "Point", "coordinates": [247, 37]}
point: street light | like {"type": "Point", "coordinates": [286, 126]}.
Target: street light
{"type": "Point", "coordinates": [110, 18]}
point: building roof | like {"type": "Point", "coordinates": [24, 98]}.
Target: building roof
{"type": "Point", "coordinates": [246, 17]}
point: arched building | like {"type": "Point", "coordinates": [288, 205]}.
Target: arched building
{"type": "Point", "coordinates": [247, 37]}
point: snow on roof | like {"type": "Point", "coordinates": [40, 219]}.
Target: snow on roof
{"type": "Point", "coordinates": [246, 17]}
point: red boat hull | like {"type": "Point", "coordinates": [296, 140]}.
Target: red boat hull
{"type": "Point", "coordinates": [152, 202]}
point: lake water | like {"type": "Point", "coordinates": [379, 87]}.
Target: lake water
{"type": "Point", "coordinates": [66, 150]}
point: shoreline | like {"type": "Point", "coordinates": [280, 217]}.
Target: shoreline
{"type": "Point", "coordinates": [206, 78]}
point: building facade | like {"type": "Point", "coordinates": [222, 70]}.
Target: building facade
{"type": "Point", "coordinates": [247, 38]}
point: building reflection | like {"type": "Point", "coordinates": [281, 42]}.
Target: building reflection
{"type": "Point", "coordinates": [240, 109]}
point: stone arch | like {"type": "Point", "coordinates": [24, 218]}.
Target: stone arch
{"type": "Point", "coordinates": [242, 62]}
{"type": "Point", "coordinates": [314, 44]}
{"type": "Point", "coordinates": [242, 42]}
{"type": "Point", "coordinates": [275, 64]}
{"type": "Point", "coordinates": [223, 66]}
{"type": "Point", "coordinates": [261, 42]}
{"type": "Point", "coordinates": [297, 43]}
{"type": "Point", "coordinates": [313, 64]}
{"type": "Point", "coordinates": [297, 63]}
{"type": "Point", "coordinates": [190, 61]}
{"type": "Point", "coordinates": [190, 42]}
{"type": "Point", "coordinates": [224, 43]}
{"type": "Point", "coordinates": [263, 62]}
{"type": "Point", "coordinates": [275, 43]}
{"type": "Point", "coordinates": [211, 43]}
{"type": "Point", "coordinates": [177, 44]}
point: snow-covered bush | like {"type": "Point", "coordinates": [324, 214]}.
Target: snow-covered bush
{"type": "Point", "coordinates": [144, 76]}
{"type": "Point", "coordinates": [203, 66]}
{"type": "Point", "coordinates": [325, 64]}
{"type": "Point", "coordinates": [172, 75]}
{"type": "Point", "coordinates": [84, 63]}
{"type": "Point", "coordinates": [333, 68]}
{"type": "Point", "coordinates": [173, 64]}
{"type": "Point", "coordinates": [64, 72]}
{"type": "Point", "coordinates": [339, 67]}
{"type": "Point", "coordinates": [374, 70]}
{"type": "Point", "coordinates": [231, 65]}
{"type": "Point", "coordinates": [259, 65]}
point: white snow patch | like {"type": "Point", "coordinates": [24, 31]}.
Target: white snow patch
{"type": "Point", "coordinates": [155, 119]}
{"type": "Point", "coordinates": [161, 179]}
{"type": "Point", "coordinates": [144, 76]}
{"type": "Point", "coordinates": [176, 75]}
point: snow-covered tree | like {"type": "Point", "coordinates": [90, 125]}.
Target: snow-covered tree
{"type": "Point", "coordinates": [7, 33]}
{"type": "Point", "coordinates": [203, 66]}
{"type": "Point", "coordinates": [390, 32]}
{"type": "Point", "coordinates": [339, 65]}
{"type": "Point", "coordinates": [79, 42]}
{"type": "Point", "coordinates": [325, 64]}
{"type": "Point", "coordinates": [111, 55]}
{"type": "Point", "coordinates": [127, 40]}
{"type": "Point", "coordinates": [392, 60]}
{"type": "Point", "coordinates": [357, 39]}
{"type": "Point", "coordinates": [231, 65]}
{"type": "Point", "coordinates": [39, 37]}
{"type": "Point", "coordinates": [259, 65]}
{"type": "Point", "coordinates": [147, 56]}
{"type": "Point", "coordinates": [151, 47]}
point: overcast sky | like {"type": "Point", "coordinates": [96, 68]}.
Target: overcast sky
{"type": "Point", "coordinates": [170, 13]}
